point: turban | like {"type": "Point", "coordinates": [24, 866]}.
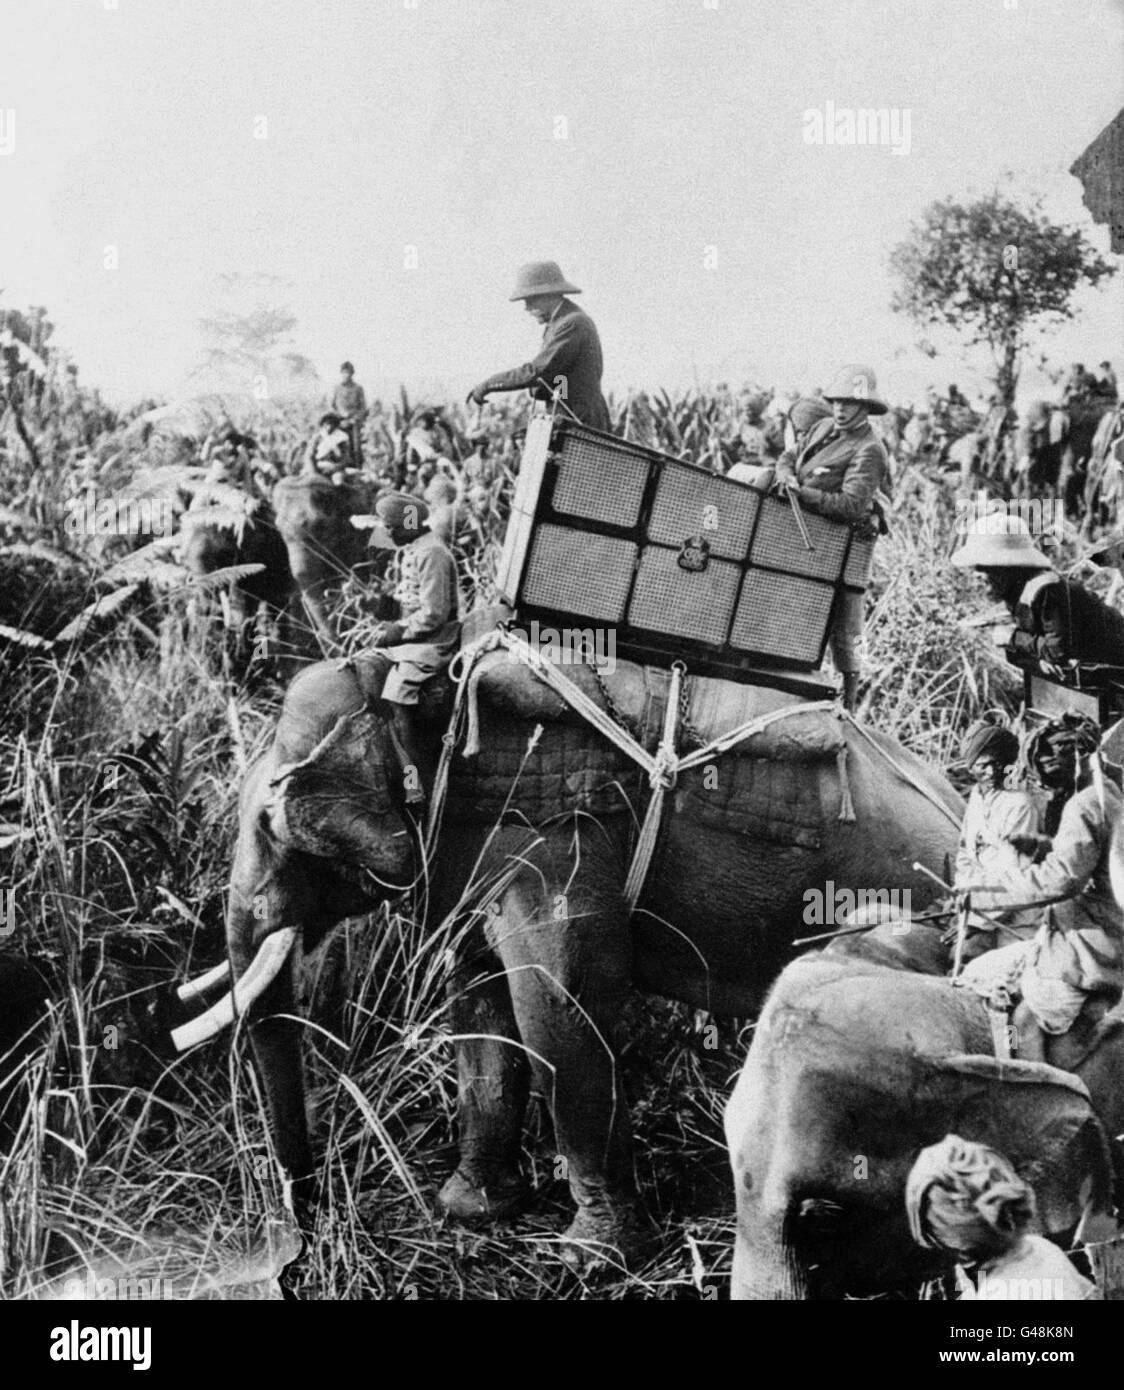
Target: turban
{"type": "Point", "coordinates": [805, 412]}
{"type": "Point", "coordinates": [402, 509]}
{"type": "Point", "coordinates": [986, 738]}
{"type": "Point", "coordinates": [1074, 733]}
{"type": "Point", "coordinates": [967, 1199]}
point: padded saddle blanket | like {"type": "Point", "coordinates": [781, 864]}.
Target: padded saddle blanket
{"type": "Point", "coordinates": [769, 786]}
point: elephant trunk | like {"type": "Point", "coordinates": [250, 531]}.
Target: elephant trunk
{"type": "Point", "coordinates": [766, 1267]}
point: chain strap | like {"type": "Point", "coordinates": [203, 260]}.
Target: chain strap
{"type": "Point", "coordinates": [610, 704]}
{"type": "Point", "coordinates": [689, 735]}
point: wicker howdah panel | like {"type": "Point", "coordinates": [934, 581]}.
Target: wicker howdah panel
{"type": "Point", "coordinates": [578, 572]}
{"type": "Point", "coordinates": [686, 603]}
{"type": "Point", "coordinates": [599, 482]}
{"type": "Point", "coordinates": [860, 561]}
{"type": "Point", "coordinates": [783, 616]}
{"type": "Point", "coordinates": [779, 545]}
{"type": "Point", "coordinates": [690, 502]}
{"type": "Point", "coordinates": [608, 532]}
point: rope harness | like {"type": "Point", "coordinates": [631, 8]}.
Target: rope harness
{"type": "Point", "coordinates": [662, 767]}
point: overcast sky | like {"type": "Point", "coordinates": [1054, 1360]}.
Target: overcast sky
{"type": "Point", "coordinates": [711, 240]}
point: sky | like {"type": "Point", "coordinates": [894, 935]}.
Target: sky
{"type": "Point", "coordinates": [381, 168]}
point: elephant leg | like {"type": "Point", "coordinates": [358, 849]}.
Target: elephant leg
{"type": "Point", "coordinates": [561, 931]}
{"type": "Point", "coordinates": [492, 1085]}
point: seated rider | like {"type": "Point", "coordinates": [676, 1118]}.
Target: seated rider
{"type": "Point", "coordinates": [424, 639]}
{"type": "Point", "coordinates": [996, 827]}
{"type": "Point", "coordinates": [967, 1199]}
{"type": "Point", "coordinates": [1061, 629]}
{"type": "Point", "coordinates": [801, 416]}
{"type": "Point", "coordinates": [329, 452]}
{"type": "Point", "coordinates": [838, 472]}
{"type": "Point", "coordinates": [1078, 950]}
{"type": "Point", "coordinates": [232, 461]}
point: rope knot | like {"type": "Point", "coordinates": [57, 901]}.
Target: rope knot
{"type": "Point", "coordinates": [665, 772]}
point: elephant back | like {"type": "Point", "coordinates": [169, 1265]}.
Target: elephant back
{"type": "Point", "coordinates": [566, 766]}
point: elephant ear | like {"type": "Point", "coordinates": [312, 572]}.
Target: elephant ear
{"type": "Point", "coordinates": [1043, 1120]}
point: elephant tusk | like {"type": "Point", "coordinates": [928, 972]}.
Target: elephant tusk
{"type": "Point", "coordinates": [195, 989]}
{"type": "Point", "coordinates": [271, 956]}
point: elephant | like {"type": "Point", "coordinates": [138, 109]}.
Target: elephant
{"type": "Point", "coordinates": [525, 885]}
{"type": "Point", "coordinates": [863, 1055]}
{"type": "Point", "coordinates": [207, 547]}
{"type": "Point", "coordinates": [323, 547]}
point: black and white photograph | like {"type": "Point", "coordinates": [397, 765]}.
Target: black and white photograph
{"type": "Point", "coordinates": [562, 662]}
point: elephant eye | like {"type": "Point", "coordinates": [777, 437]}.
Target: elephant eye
{"type": "Point", "coordinates": [816, 1212]}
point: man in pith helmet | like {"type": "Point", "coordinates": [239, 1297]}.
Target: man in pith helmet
{"type": "Point", "coordinates": [838, 471]}
{"type": "Point", "coordinates": [568, 365]}
{"type": "Point", "coordinates": [1059, 624]}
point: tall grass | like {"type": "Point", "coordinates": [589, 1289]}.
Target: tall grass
{"type": "Point", "coordinates": [120, 759]}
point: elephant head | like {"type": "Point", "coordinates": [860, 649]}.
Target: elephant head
{"type": "Point", "coordinates": [323, 835]}
{"type": "Point", "coordinates": [207, 547]}
{"type": "Point", "coordinates": [853, 1069]}
{"type": "Point", "coordinates": [314, 520]}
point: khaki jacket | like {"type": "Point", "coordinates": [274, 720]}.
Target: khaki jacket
{"type": "Point", "coordinates": [427, 591]}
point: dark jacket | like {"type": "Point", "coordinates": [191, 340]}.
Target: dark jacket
{"type": "Point", "coordinates": [570, 350]}
{"type": "Point", "coordinates": [839, 471]}
{"type": "Point", "coordinates": [1058, 620]}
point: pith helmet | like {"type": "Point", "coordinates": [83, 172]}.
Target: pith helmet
{"type": "Point", "coordinates": [541, 277]}
{"type": "Point", "coordinates": [999, 541]}
{"type": "Point", "coordinates": [857, 383]}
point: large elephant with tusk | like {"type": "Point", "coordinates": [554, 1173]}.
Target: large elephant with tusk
{"type": "Point", "coordinates": [863, 1055]}
{"type": "Point", "coordinates": [527, 883]}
